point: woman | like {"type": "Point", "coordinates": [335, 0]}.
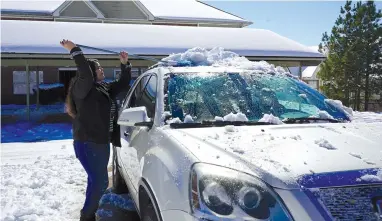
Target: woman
{"type": "Point", "coordinates": [91, 103]}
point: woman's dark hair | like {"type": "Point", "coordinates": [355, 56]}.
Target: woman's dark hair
{"type": "Point", "coordinates": [69, 103]}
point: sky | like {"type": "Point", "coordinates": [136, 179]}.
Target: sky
{"type": "Point", "coordinates": [302, 21]}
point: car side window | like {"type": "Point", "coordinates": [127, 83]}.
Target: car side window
{"type": "Point", "coordinates": [148, 94]}
{"type": "Point", "coordinates": [144, 94]}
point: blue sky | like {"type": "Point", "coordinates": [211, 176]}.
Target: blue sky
{"type": "Point", "coordinates": [302, 21]}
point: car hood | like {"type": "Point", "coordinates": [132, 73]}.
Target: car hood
{"type": "Point", "coordinates": [281, 154]}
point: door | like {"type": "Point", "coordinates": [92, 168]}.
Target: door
{"type": "Point", "coordinates": [65, 78]}
{"type": "Point", "coordinates": [135, 140]}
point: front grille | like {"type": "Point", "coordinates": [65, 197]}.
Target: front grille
{"type": "Point", "coordinates": [349, 203]}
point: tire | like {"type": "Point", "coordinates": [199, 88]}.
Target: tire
{"type": "Point", "coordinates": [148, 213]}
{"type": "Point", "coordinates": [119, 185]}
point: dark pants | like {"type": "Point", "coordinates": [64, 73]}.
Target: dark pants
{"type": "Point", "coordinates": [94, 158]}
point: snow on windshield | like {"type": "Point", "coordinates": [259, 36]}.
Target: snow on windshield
{"type": "Point", "coordinates": [259, 91]}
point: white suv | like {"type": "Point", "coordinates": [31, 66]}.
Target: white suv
{"type": "Point", "coordinates": [218, 143]}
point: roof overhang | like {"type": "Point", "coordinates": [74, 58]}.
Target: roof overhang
{"type": "Point", "coordinates": [148, 40]}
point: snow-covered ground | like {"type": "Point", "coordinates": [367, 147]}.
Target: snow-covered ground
{"type": "Point", "coordinates": [41, 181]}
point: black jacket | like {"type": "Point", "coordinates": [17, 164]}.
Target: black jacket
{"type": "Point", "coordinates": [93, 106]}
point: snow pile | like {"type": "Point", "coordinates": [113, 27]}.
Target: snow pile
{"type": "Point", "coordinates": [41, 181]}
{"type": "Point", "coordinates": [219, 118]}
{"type": "Point", "coordinates": [188, 119]}
{"type": "Point", "coordinates": [366, 117]}
{"type": "Point", "coordinates": [338, 104]}
{"type": "Point", "coordinates": [235, 117]}
{"type": "Point", "coordinates": [324, 115]}
{"type": "Point", "coordinates": [269, 118]}
{"type": "Point", "coordinates": [174, 121]}
{"type": "Point", "coordinates": [219, 57]}
{"type": "Point", "coordinates": [372, 178]}
{"type": "Point", "coordinates": [230, 128]}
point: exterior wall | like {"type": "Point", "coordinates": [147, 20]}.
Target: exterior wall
{"type": "Point", "coordinates": [120, 9]}
{"type": "Point", "coordinates": [50, 75]}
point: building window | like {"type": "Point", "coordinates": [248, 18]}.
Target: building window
{"type": "Point", "coordinates": [20, 81]}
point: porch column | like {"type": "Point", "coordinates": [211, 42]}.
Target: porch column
{"type": "Point", "coordinates": [28, 90]}
{"type": "Point", "coordinates": [38, 91]}
{"type": "Point", "coordinates": [300, 71]}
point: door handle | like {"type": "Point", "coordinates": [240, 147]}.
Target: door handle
{"type": "Point", "coordinates": [126, 133]}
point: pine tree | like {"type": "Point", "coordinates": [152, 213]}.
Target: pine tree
{"type": "Point", "coordinates": [353, 69]}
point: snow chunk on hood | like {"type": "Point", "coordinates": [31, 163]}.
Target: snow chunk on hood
{"type": "Point", "coordinates": [219, 57]}
{"type": "Point", "coordinates": [269, 118]}
{"type": "Point", "coordinates": [235, 117]}
{"type": "Point", "coordinates": [325, 144]}
{"type": "Point", "coordinates": [174, 121]}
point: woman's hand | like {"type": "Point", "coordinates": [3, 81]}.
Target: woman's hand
{"type": "Point", "coordinates": [69, 45]}
{"type": "Point", "coordinates": [124, 57]}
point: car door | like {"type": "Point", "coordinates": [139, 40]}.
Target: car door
{"type": "Point", "coordinates": [134, 140]}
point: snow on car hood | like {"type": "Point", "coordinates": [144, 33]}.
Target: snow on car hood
{"type": "Point", "coordinates": [280, 154]}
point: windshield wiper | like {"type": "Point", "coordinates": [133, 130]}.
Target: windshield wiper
{"type": "Point", "coordinates": [308, 120]}
{"type": "Point", "coordinates": [217, 124]}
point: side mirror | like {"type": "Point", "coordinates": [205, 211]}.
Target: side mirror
{"type": "Point", "coordinates": [136, 116]}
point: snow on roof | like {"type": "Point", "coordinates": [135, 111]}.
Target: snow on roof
{"type": "Point", "coordinates": [314, 48]}
{"type": "Point", "coordinates": [145, 39]}
{"type": "Point", "coordinates": [188, 10]}
{"type": "Point", "coordinates": [162, 9]}
{"type": "Point", "coordinates": [45, 6]}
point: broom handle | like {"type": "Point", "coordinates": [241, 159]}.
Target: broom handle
{"type": "Point", "coordinates": [114, 52]}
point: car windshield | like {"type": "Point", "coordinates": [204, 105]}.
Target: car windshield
{"type": "Point", "coordinates": [205, 96]}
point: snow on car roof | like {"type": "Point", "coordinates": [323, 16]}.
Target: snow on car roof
{"type": "Point", "coordinates": [188, 10]}
{"type": "Point", "coordinates": [146, 39]}
{"type": "Point", "coordinates": [216, 60]}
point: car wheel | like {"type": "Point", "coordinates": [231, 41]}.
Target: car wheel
{"type": "Point", "coordinates": [148, 213]}
{"type": "Point", "coordinates": [119, 185]}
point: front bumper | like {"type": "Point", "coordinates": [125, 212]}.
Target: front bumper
{"type": "Point", "coordinates": [177, 215]}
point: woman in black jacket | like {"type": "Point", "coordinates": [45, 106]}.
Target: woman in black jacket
{"type": "Point", "coordinates": [92, 105]}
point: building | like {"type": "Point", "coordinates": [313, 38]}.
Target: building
{"type": "Point", "coordinates": [309, 75]}
{"type": "Point", "coordinates": [31, 32]}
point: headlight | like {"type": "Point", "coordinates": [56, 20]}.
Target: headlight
{"type": "Point", "coordinates": [220, 193]}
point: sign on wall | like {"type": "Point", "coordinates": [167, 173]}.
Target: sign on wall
{"type": "Point", "coordinates": [20, 81]}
